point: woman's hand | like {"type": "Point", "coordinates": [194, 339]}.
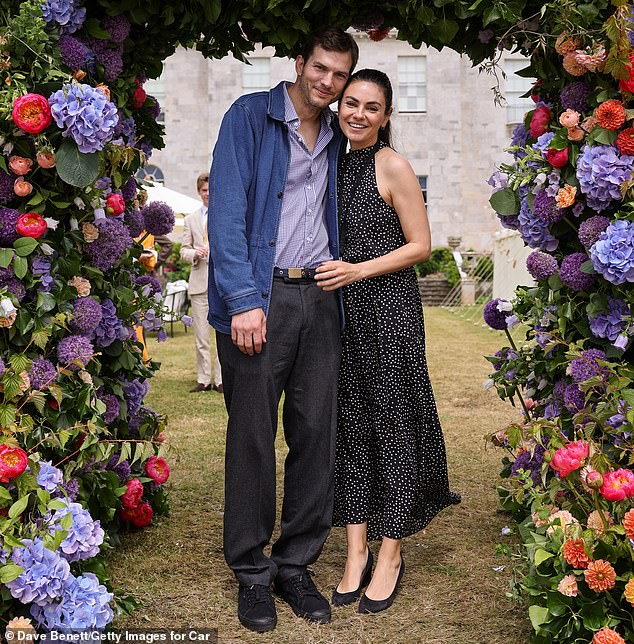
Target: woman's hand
{"type": "Point", "coordinates": [334, 274]}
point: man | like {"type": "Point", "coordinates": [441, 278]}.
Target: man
{"type": "Point", "coordinates": [195, 251]}
{"type": "Point", "coordinates": [272, 220]}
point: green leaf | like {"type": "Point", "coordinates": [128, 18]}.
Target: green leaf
{"type": "Point", "coordinates": [6, 255]}
{"type": "Point", "coordinates": [538, 616]}
{"type": "Point", "coordinates": [5, 495]}
{"type": "Point", "coordinates": [10, 540]}
{"type": "Point", "coordinates": [18, 507]}
{"type": "Point", "coordinates": [20, 267]}
{"type": "Point", "coordinates": [19, 362]}
{"type": "Point", "coordinates": [56, 504]}
{"type": "Point", "coordinates": [94, 29]}
{"type": "Point", "coordinates": [45, 302]}
{"type": "Point", "coordinates": [505, 202]}
{"type": "Point", "coordinates": [74, 167]}
{"type": "Point", "coordinates": [542, 555]}
{"type": "Point", "coordinates": [7, 415]}
{"type": "Point", "coordinates": [445, 30]}
{"type": "Point", "coordinates": [9, 572]}
{"type": "Point", "coordinates": [67, 521]}
{"type": "Point", "coordinates": [25, 246]}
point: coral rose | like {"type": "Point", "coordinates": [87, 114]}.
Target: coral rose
{"type": "Point", "coordinates": [45, 159]}
{"type": "Point", "coordinates": [628, 524]}
{"type": "Point", "coordinates": [133, 494]}
{"type": "Point", "coordinates": [589, 123]}
{"type": "Point", "coordinates": [31, 113]}
{"type": "Point", "coordinates": [629, 591]}
{"type": "Point", "coordinates": [569, 118]}
{"type": "Point", "coordinates": [557, 158]}
{"type": "Point", "coordinates": [600, 575]}
{"type": "Point", "coordinates": [568, 586]}
{"type": "Point", "coordinates": [19, 165]}
{"type": "Point", "coordinates": [570, 458]}
{"type": "Point", "coordinates": [575, 134]}
{"type": "Point", "coordinates": [618, 485]}
{"type": "Point", "coordinates": [31, 224]}
{"type": "Point", "coordinates": [572, 66]}
{"type": "Point", "coordinates": [539, 121]}
{"type": "Point", "coordinates": [157, 469]}
{"type": "Point", "coordinates": [575, 554]}
{"type": "Point", "coordinates": [566, 196]}
{"type": "Point", "coordinates": [565, 44]}
{"type": "Point", "coordinates": [13, 461]}
{"type": "Point", "coordinates": [22, 188]}
{"type": "Point", "coordinates": [610, 114]}
{"type": "Point", "coordinates": [139, 517]}
{"type": "Point", "coordinates": [625, 141]}
{"type": "Point", "coordinates": [607, 636]}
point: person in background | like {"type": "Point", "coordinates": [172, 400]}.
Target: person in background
{"type": "Point", "coordinates": [195, 251]}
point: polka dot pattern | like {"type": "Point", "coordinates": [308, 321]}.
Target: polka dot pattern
{"type": "Point", "coordinates": [391, 467]}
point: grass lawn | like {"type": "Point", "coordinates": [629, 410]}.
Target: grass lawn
{"type": "Point", "coordinates": [450, 592]}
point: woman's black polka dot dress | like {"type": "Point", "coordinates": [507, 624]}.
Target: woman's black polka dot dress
{"type": "Point", "coordinates": [391, 468]}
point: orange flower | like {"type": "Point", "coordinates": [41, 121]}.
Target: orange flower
{"type": "Point", "coordinates": [629, 591]}
{"type": "Point", "coordinates": [104, 89]}
{"type": "Point", "coordinates": [566, 196]}
{"type": "Point", "coordinates": [565, 44]}
{"type": "Point", "coordinates": [569, 118]}
{"type": "Point", "coordinates": [575, 553]}
{"type": "Point", "coordinates": [589, 124]}
{"type": "Point", "coordinates": [610, 114]}
{"type": "Point", "coordinates": [625, 141]}
{"type": "Point", "coordinates": [607, 636]}
{"type": "Point", "coordinates": [572, 66]}
{"type": "Point", "coordinates": [628, 524]}
{"type": "Point", "coordinates": [575, 134]}
{"type": "Point", "coordinates": [600, 575]}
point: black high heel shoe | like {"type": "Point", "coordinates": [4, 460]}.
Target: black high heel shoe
{"type": "Point", "coordinates": [343, 599]}
{"type": "Point", "coordinates": [367, 605]}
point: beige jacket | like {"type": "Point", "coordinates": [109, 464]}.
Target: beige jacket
{"type": "Point", "coordinates": [194, 236]}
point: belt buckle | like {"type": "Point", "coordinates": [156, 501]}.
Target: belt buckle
{"type": "Point", "coordinates": [295, 273]}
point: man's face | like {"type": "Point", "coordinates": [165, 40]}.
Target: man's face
{"type": "Point", "coordinates": [322, 77]}
{"type": "Point", "coordinates": [203, 191]}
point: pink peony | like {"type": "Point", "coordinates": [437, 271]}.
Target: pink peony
{"type": "Point", "coordinates": [139, 517]}
{"type": "Point", "coordinates": [115, 204]}
{"type": "Point", "coordinates": [157, 469]}
{"type": "Point", "coordinates": [618, 485]}
{"type": "Point", "coordinates": [570, 458]}
{"type": "Point", "coordinates": [133, 494]}
{"type": "Point", "coordinates": [13, 462]}
{"type": "Point", "coordinates": [557, 158]}
{"type": "Point", "coordinates": [32, 113]}
{"type": "Point", "coordinates": [539, 121]}
{"type": "Point", "coordinates": [19, 165]}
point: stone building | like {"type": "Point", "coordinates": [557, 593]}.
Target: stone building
{"type": "Point", "coordinates": [445, 122]}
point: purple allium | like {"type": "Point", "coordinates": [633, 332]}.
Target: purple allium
{"type": "Point", "coordinates": [530, 461]}
{"type": "Point", "coordinates": [112, 406]}
{"type": "Point", "coordinates": [86, 316]}
{"type": "Point", "coordinates": [110, 327]}
{"type": "Point", "coordinates": [533, 230]}
{"type": "Point", "coordinates": [129, 189]}
{"type": "Point", "coordinates": [135, 391]}
{"type": "Point", "coordinates": [559, 389]}
{"type": "Point", "coordinates": [495, 317]}
{"type": "Point", "coordinates": [74, 351]}
{"type": "Point", "coordinates": [590, 230]}
{"type": "Point", "coordinates": [74, 53]}
{"type": "Point", "coordinates": [122, 470]}
{"type": "Point", "coordinates": [41, 267]}
{"type": "Point", "coordinates": [68, 14]}
{"type": "Point", "coordinates": [44, 573]}
{"type": "Point", "coordinates": [114, 239]}
{"type": "Point", "coordinates": [612, 254]}
{"type": "Point", "coordinates": [7, 179]}
{"type": "Point", "coordinates": [546, 209]}
{"type": "Point", "coordinates": [42, 373]}
{"type": "Point", "coordinates": [85, 114]}
{"type": "Point", "coordinates": [159, 218]}
{"type": "Point", "coordinates": [83, 604]}
{"type": "Point", "coordinates": [612, 323]}
{"type": "Point", "coordinates": [571, 274]}
{"type": "Point", "coordinates": [118, 27]}
{"type": "Point", "coordinates": [8, 222]}
{"type": "Point", "coordinates": [112, 61]}
{"type": "Point", "coordinates": [49, 477]}
{"type": "Point", "coordinates": [601, 170]}
{"type": "Point", "coordinates": [586, 366]}
{"type": "Point", "coordinates": [574, 399]}
{"type": "Point", "coordinates": [135, 222]}
{"type": "Point", "coordinates": [12, 283]}
{"type": "Point", "coordinates": [69, 490]}
{"type": "Point", "coordinates": [541, 265]}
{"type": "Point", "coordinates": [84, 535]}
{"type": "Point", "coordinates": [575, 97]}
{"type": "Point", "coordinates": [148, 285]}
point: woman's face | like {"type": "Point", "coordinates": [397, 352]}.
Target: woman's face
{"type": "Point", "coordinates": [362, 112]}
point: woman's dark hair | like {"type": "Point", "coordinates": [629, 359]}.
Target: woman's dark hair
{"type": "Point", "coordinates": [381, 80]}
{"type": "Point", "coordinates": [332, 39]}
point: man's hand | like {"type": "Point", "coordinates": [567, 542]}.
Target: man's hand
{"type": "Point", "coordinates": [248, 331]}
{"type": "Point", "coordinates": [202, 251]}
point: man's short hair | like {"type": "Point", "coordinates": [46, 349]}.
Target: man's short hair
{"type": "Point", "coordinates": [202, 178]}
{"type": "Point", "coordinates": [332, 39]}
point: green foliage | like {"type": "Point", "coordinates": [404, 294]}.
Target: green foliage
{"type": "Point", "coordinates": [441, 261]}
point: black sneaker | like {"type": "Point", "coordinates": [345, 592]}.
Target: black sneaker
{"type": "Point", "coordinates": [300, 593]}
{"type": "Point", "coordinates": [256, 608]}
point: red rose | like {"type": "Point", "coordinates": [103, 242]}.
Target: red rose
{"type": "Point", "coordinates": [30, 224]}
{"type": "Point", "coordinates": [138, 97]}
{"type": "Point", "coordinates": [535, 91]}
{"type": "Point", "coordinates": [557, 158]}
{"type": "Point", "coordinates": [625, 141]}
{"type": "Point", "coordinates": [539, 121]}
{"type": "Point", "coordinates": [133, 494]}
{"type": "Point", "coordinates": [13, 462]}
{"type": "Point", "coordinates": [157, 469]}
{"type": "Point", "coordinates": [628, 85]}
{"type": "Point", "coordinates": [378, 34]}
{"type": "Point", "coordinates": [115, 204]}
{"type": "Point", "coordinates": [139, 517]}
{"type": "Point", "coordinates": [31, 113]}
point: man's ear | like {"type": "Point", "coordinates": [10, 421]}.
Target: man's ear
{"type": "Point", "coordinates": [299, 65]}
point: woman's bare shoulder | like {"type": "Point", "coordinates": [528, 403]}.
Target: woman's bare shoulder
{"type": "Point", "coordinates": [392, 163]}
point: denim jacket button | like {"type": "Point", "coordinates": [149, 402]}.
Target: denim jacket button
{"type": "Point", "coordinates": [265, 294]}
{"type": "Point", "coordinates": [280, 195]}
{"type": "Point", "coordinates": [272, 242]}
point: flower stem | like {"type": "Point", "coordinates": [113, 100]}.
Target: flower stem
{"type": "Point", "coordinates": [519, 395]}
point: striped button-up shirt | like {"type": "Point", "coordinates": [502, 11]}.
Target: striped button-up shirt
{"type": "Point", "coordinates": [302, 239]}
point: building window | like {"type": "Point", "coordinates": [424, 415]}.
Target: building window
{"type": "Point", "coordinates": [256, 76]}
{"type": "Point", "coordinates": [422, 182]}
{"type": "Point", "coordinates": [412, 84]}
{"type": "Point", "coordinates": [151, 173]}
{"type": "Point", "coordinates": [515, 87]}
{"type": "Point", "coordinates": [156, 88]}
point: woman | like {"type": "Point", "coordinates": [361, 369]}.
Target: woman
{"type": "Point", "coordinates": [391, 469]}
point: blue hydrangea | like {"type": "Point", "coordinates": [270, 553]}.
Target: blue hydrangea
{"type": "Point", "coordinates": [601, 170]}
{"type": "Point", "coordinates": [612, 254]}
{"type": "Point", "coordinates": [85, 114]}
{"type": "Point", "coordinates": [44, 575]}
{"type": "Point", "coordinates": [68, 14]}
{"type": "Point", "coordinates": [110, 327]}
{"type": "Point", "coordinates": [84, 536]}
{"type": "Point", "coordinates": [135, 391]}
{"type": "Point", "coordinates": [41, 267]}
{"type": "Point", "coordinates": [49, 477]}
{"type": "Point", "coordinates": [533, 230]}
{"type": "Point", "coordinates": [84, 604]}
{"type": "Point", "coordinates": [611, 323]}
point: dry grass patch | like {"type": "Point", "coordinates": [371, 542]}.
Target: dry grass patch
{"type": "Point", "coordinates": [450, 593]}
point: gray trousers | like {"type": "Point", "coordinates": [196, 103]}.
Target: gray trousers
{"type": "Point", "coordinates": [301, 359]}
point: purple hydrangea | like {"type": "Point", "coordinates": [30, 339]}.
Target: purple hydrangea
{"type": "Point", "coordinates": [520, 135]}
{"type": "Point", "coordinates": [83, 604]}
{"type": "Point", "coordinates": [574, 399]}
{"type": "Point", "coordinates": [543, 142]}
{"type": "Point", "coordinates": [112, 407]}
{"type": "Point", "coordinates": [601, 170]}
{"type": "Point", "coordinates": [12, 283]}
{"type": "Point", "coordinates": [135, 391]}
{"type": "Point", "coordinates": [546, 209]}
{"type": "Point", "coordinates": [533, 230]}
{"type": "Point", "coordinates": [575, 97]}
{"type": "Point", "coordinates": [587, 366]}
{"type": "Point", "coordinates": [84, 535]}
{"type": "Point", "coordinates": [8, 222]}
{"type": "Point", "coordinates": [530, 460]}
{"type": "Point", "coordinates": [590, 230]}
{"type": "Point", "coordinates": [110, 327]}
{"type": "Point", "coordinates": [612, 323]}
{"type": "Point", "coordinates": [146, 413]}
{"type": "Point", "coordinates": [69, 490]}
{"type": "Point", "coordinates": [114, 239]}
{"type": "Point", "coordinates": [7, 180]}
{"type": "Point", "coordinates": [122, 470]}
{"type": "Point", "coordinates": [41, 267]}
{"type": "Point", "coordinates": [509, 221]}
{"type": "Point", "coordinates": [44, 573]}
{"type": "Point", "coordinates": [541, 265]}
{"type": "Point", "coordinates": [74, 351]}
{"type": "Point", "coordinates": [148, 285]}
{"type": "Point", "coordinates": [86, 316]}
{"type": "Point", "coordinates": [125, 132]}
{"type": "Point", "coordinates": [571, 274]}
{"type": "Point", "coordinates": [552, 410]}
{"type": "Point", "coordinates": [612, 254]}
{"type": "Point", "coordinates": [118, 27]}
{"type": "Point", "coordinates": [68, 14]}
{"type": "Point", "coordinates": [498, 181]}
{"type": "Point", "coordinates": [129, 190]}
{"type": "Point", "coordinates": [135, 222]}
{"type": "Point", "coordinates": [42, 373]}
{"type": "Point", "coordinates": [49, 477]}
{"type": "Point", "coordinates": [494, 316]}
{"type": "Point", "coordinates": [159, 218]}
{"type": "Point", "coordinates": [75, 55]}
{"type": "Point", "coordinates": [155, 110]}
{"type": "Point", "coordinates": [85, 114]}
